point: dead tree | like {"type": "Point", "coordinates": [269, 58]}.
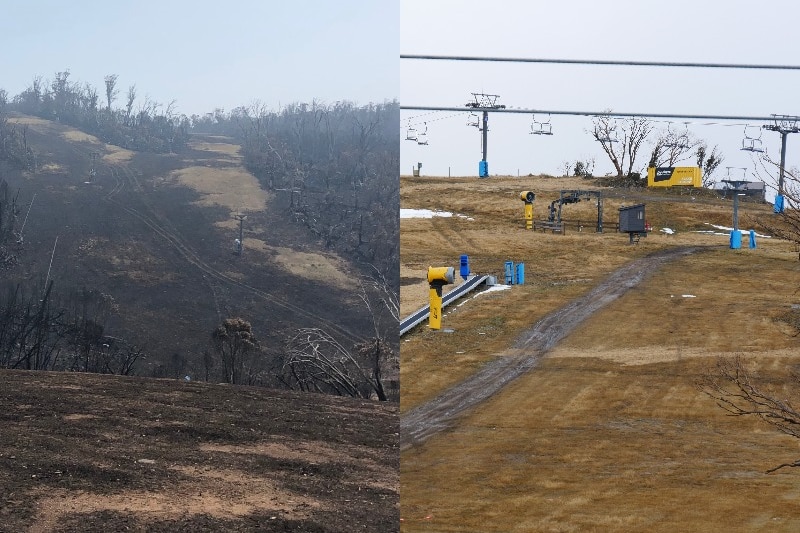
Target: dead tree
{"type": "Point", "coordinates": [740, 394]}
{"type": "Point", "coordinates": [111, 89]}
{"type": "Point", "coordinates": [379, 355]}
{"type": "Point", "coordinates": [316, 362]}
{"type": "Point", "coordinates": [785, 225]}
{"type": "Point", "coordinates": [233, 340]}
{"type": "Point", "coordinates": [671, 147]}
{"type": "Point", "coordinates": [621, 140]}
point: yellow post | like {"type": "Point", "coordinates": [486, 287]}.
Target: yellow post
{"type": "Point", "coordinates": [435, 319]}
{"type": "Point", "coordinates": [528, 197]}
{"type": "Point", "coordinates": [438, 277]}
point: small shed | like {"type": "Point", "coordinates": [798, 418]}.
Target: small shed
{"type": "Point", "coordinates": [631, 218]}
{"type": "Point", "coordinates": [632, 221]}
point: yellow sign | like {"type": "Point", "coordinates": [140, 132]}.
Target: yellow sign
{"type": "Point", "coordinates": [674, 176]}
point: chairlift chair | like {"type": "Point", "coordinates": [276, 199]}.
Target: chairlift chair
{"type": "Point", "coordinates": [422, 137]}
{"type": "Point", "coordinates": [751, 143]}
{"type": "Point", "coordinates": [679, 141]}
{"type": "Point", "coordinates": [411, 134]}
{"type": "Point", "coordinates": [541, 127]}
{"type": "Point", "coordinates": [472, 120]}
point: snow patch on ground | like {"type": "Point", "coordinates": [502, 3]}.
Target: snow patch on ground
{"type": "Point", "coordinates": [428, 213]}
{"type": "Point", "coordinates": [726, 231]}
{"type": "Point", "coordinates": [492, 288]}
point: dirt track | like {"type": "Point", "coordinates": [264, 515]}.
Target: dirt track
{"type": "Point", "coordinates": [438, 414]}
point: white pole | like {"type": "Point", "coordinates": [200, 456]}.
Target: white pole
{"type": "Point", "coordinates": [51, 263]}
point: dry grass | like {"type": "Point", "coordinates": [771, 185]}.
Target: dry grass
{"type": "Point", "coordinates": [589, 445]}
{"type": "Point", "coordinates": [115, 154]}
{"type": "Point", "coordinates": [110, 153]}
{"type": "Point", "coordinates": [79, 136]}
{"type": "Point", "coordinates": [320, 267]}
{"type": "Point", "coordinates": [234, 188]}
{"type": "Point", "coordinates": [30, 121]}
{"type": "Point", "coordinates": [609, 432]}
{"type": "Point", "coordinates": [225, 148]}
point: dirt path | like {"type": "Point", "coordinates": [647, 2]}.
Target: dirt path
{"type": "Point", "coordinates": [440, 413]}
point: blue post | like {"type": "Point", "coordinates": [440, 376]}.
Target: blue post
{"type": "Point", "coordinates": [736, 239]}
{"type": "Point", "coordinates": [483, 169]}
{"type": "Point", "coordinates": [464, 266]}
{"type": "Point", "coordinates": [520, 273]}
{"type": "Point", "coordinates": [778, 207]}
{"type": "Point", "coordinates": [509, 272]}
{"type": "Point", "coordinates": [752, 238]}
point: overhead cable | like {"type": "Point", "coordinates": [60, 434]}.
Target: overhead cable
{"type": "Point", "coordinates": [600, 62]}
{"type": "Point", "coordinates": [606, 113]}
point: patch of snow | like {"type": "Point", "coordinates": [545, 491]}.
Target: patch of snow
{"type": "Point", "coordinates": [495, 288]}
{"type": "Point", "coordinates": [423, 213]}
{"type": "Point", "coordinates": [429, 213]}
{"type": "Point", "coordinates": [668, 231]}
{"type": "Point", "coordinates": [492, 288]}
{"type": "Point", "coordinates": [688, 296]}
{"type": "Point", "coordinates": [728, 230]}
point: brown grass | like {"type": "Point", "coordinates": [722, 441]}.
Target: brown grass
{"type": "Point", "coordinates": [325, 268]}
{"type": "Point", "coordinates": [227, 149]}
{"type": "Point", "coordinates": [233, 188]}
{"type": "Point", "coordinates": [609, 432]}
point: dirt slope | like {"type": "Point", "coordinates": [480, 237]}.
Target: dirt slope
{"type": "Point", "coordinates": [155, 232]}
{"type": "Point", "coordinates": [436, 415]}
{"type": "Point", "coordinates": [82, 452]}
{"type": "Point", "coordinates": [609, 431]}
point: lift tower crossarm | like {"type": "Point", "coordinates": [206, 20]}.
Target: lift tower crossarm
{"type": "Point", "coordinates": [484, 102]}
{"type": "Point", "coordinates": [784, 124]}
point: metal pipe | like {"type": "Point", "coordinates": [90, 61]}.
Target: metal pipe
{"type": "Point", "coordinates": [784, 134]}
{"type": "Point", "coordinates": [485, 132]}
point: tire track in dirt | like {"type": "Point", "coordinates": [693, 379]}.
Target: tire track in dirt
{"type": "Point", "coordinates": [176, 241]}
{"type": "Point", "coordinates": [442, 412]}
{"type": "Point", "coordinates": [457, 239]}
{"type": "Point", "coordinates": [118, 187]}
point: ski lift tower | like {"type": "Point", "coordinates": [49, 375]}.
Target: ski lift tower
{"type": "Point", "coordinates": [239, 243]}
{"type": "Point", "coordinates": [485, 103]}
{"type": "Point", "coordinates": [736, 187]}
{"type": "Point", "coordinates": [784, 124]}
{"type": "Point", "coordinates": [93, 171]}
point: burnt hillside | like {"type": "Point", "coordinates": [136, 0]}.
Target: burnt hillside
{"type": "Point", "coordinates": [143, 257]}
{"type": "Point", "coordinates": [83, 452]}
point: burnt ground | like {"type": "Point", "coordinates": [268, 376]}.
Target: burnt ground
{"type": "Point", "coordinates": [163, 254]}
{"type": "Point", "coordinates": [438, 414]}
{"type": "Point", "coordinates": [84, 452]}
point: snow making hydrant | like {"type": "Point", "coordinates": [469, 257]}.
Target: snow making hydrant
{"type": "Point", "coordinates": [438, 277]}
{"type": "Point", "coordinates": [528, 197]}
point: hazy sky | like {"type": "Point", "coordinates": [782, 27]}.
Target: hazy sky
{"type": "Point", "coordinates": [207, 54]}
{"type": "Point", "coordinates": [676, 31]}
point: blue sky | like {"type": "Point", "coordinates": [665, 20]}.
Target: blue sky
{"type": "Point", "coordinates": [734, 31]}
{"type": "Point", "coordinates": [206, 54]}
